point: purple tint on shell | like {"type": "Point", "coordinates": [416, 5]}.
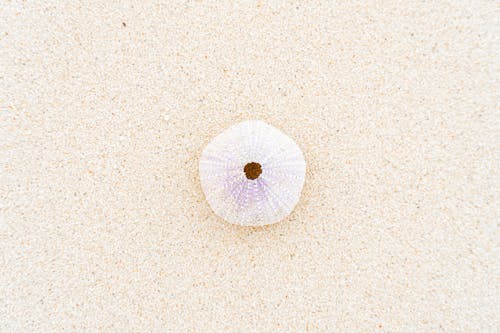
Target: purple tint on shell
{"type": "Point", "coordinates": [236, 186]}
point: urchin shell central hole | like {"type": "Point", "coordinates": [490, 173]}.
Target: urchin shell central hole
{"type": "Point", "coordinates": [252, 170]}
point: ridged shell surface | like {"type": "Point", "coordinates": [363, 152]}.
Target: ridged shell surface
{"type": "Point", "coordinates": [252, 174]}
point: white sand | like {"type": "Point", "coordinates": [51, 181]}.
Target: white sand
{"type": "Point", "coordinates": [103, 223]}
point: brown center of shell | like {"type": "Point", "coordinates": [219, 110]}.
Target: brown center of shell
{"type": "Point", "coordinates": [252, 170]}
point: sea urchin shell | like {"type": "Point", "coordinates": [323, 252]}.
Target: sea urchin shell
{"type": "Point", "coordinates": [252, 174]}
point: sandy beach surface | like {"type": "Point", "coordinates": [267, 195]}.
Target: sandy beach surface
{"type": "Point", "coordinates": [105, 107]}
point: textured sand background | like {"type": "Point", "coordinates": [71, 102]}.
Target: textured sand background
{"type": "Point", "coordinates": [106, 106]}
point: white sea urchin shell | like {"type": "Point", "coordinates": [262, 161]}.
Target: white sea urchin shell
{"type": "Point", "coordinates": [252, 174]}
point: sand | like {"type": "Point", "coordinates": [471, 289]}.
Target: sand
{"type": "Point", "coordinates": [106, 106]}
